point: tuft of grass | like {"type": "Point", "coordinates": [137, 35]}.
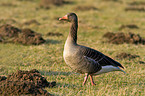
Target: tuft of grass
{"type": "Point", "coordinates": [47, 58]}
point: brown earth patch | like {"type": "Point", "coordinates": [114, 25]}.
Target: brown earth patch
{"type": "Point", "coordinates": [1, 39]}
{"type": "Point", "coordinates": [141, 3]}
{"type": "Point", "coordinates": [120, 38]}
{"type": "Point", "coordinates": [55, 2]}
{"type": "Point", "coordinates": [33, 21]}
{"type": "Point", "coordinates": [54, 34]}
{"type": "Point", "coordinates": [46, 3]}
{"type": "Point", "coordinates": [11, 34]}
{"type": "Point", "coordinates": [135, 8]}
{"type": "Point", "coordinates": [25, 83]}
{"type": "Point", "coordinates": [126, 55]}
{"type": "Point", "coordinates": [131, 26]}
{"type": "Point", "coordinates": [141, 62]}
{"type": "Point", "coordinates": [2, 78]}
{"type": "Point", "coordinates": [109, 35]}
{"type": "Point", "coordinates": [84, 8]}
{"type": "Point", "coordinates": [9, 31]}
{"type": "Point", "coordinates": [111, 0]}
{"type": "Point", "coordinates": [26, 0]}
{"type": "Point", "coordinates": [8, 5]}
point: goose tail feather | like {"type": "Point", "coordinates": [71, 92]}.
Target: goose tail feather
{"type": "Point", "coordinates": [121, 70]}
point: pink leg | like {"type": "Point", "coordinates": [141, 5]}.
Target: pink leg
{"type": "Point", "coordinates": [85, 79]}
{"type": "Point", "coordinates": [92, 81]}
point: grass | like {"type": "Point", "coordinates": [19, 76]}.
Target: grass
{"type": "Point", "coordinates": [47, 58]}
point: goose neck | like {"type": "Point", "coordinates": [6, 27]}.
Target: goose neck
{"type": "Point", "coordinates": [73, 32]}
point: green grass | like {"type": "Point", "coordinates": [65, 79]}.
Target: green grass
{"type": "Point", "coordinates": [47, 58]}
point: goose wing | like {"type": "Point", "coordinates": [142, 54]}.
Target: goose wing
{"type": "Point", "coordinates": [102, 59]}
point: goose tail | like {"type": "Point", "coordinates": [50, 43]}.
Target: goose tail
{"type": "Point", "coordinates": [121, 70]}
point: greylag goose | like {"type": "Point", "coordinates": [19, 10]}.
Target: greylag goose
{"type": "Point", "coordinates": [83, 59]}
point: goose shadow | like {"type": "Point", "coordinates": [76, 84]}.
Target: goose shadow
{"type": "Point", "coordinates": [65, 85]}
{"type": "Point", "coordinates": [55, 73]}
{"type": "Point", "coordinates": [58, 84]}
{"type": "Point", "coordinates": [50, 41]}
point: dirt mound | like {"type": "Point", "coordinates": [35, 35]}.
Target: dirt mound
{"type": "Point", "coordinates": [25, 82]}
{"type": "Point", "coordinates": [25, 36]}
{"type": "Point", "coordinates": [131, 26]}
{"type": "Point", "coordinates": [28, 37]}
{"type": "Point", "coordinates": [46, 3]}
{"type": "Point", "coordinates": [137, 3]}
{"type": "Point", "coordinates": [26, 0]}
{"type": "Point", "coordinates": [111, 0]}
{"type": "Point", "coordinates": [135, 8]}
{"type": "Point", "coordinates": [120, 38]}
{"type": "Point", "coordinates": [141, 62]}
{"type": "Point", "coordinates": [2, 78]}
{"type": "Point", "coordinates": [126, 55]}
{"type": "Point", "coordinates": [85, 8]}
{"type": "Point", "coordinates": [109, 35]}
{"type": "Point", "coordinates": [1, 39]}
{"type": "Point", "coordinates": [8, 5]}
{"type": "Point", "coordinates": [9, 31]}
{"type": "Point", "coordinates": [33, 21]}
{"type": "Point", "coordinates": [54, 34]}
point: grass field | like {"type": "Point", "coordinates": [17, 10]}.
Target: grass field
{"type": "Point", "coordinates": [93, 24]}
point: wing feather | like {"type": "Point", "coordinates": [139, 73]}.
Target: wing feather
{"type": "Point", "coordinates": [102, 59]}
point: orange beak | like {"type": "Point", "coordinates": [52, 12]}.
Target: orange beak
{"type": "Point", "coordinates": [64, 18]}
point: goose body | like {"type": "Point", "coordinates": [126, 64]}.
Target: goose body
{"type": "Point", "coordinates": [83, 59]}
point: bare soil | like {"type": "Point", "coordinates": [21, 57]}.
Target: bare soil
{"type": "Point", "coordinates": [126, 55]}
{"type": "Point", "coordinates": [1, 39]}
{"type": "Point", "coordinates": [137, 3]}
{"type": "Point", "coordinates": [46, 3]}
{"type": "Point", "coordinates": [111, 0]}
{"type": "Point", "coordinates": [25, 83]}
{"type": "Point", "coordinates": [85, 8]}
{"type": "Point", "coordinates": [120, 38]}
{"type": "Point", "coordinates": [30, 22]}
{"type": "Point", "coordinates": [26, 0]}
{"type": "Point", "coordinates": [135, 8]}
{"type": "Point", "coordinates": [54, 34]}
{"type": "Point", "coordinates": [141, 62]}
{"type": "Point", "coordinates": [12, 34]}
{"type": "Point", "coordinates": [131, 26]}
{"type": "Point", "coordinates": [8, 5]}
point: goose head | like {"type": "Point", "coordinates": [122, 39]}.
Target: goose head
{"type": "Point", "coordinates": [71, 17]}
